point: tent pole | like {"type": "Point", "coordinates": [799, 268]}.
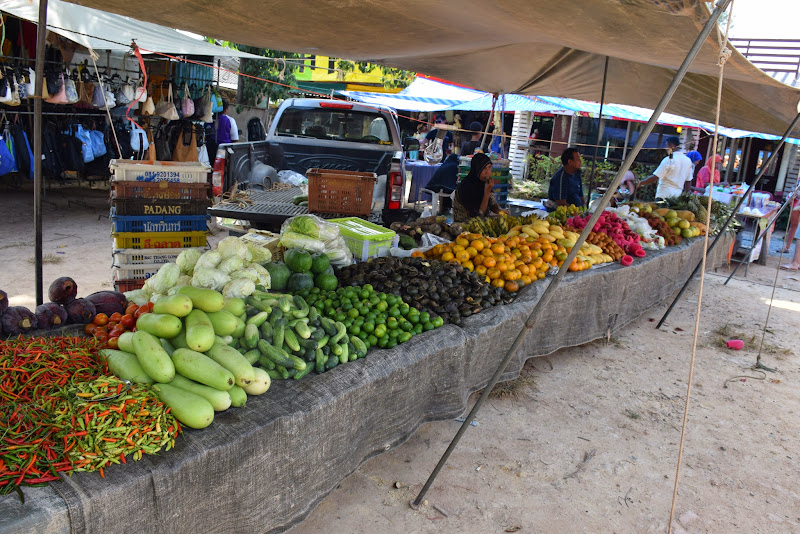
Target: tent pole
{"type": "Point", "coordinates": [488, 122]}
{"type": "Point", "coordinates": [41, 33]}
{"type": "Point", "coordinates": [732, 215]}
{"type": "Point", "coordinates": [599, 132]}
{"type": "Point", "coordinates": [604, 201]}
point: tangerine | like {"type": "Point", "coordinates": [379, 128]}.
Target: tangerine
{"type": "Point", "coordinates": [511, 286]}
{"type": "Point", "coordinates": [478, 259]}
{"type": "Point", "coordinates": [489, 261]}
{"type": "Point", "coordinates": [498, 248]}
{"type": "Point", "coordinates": [477, 244]}
{"type": "Point", "coordinates": [481, 270]}
{"type": "Point", "coordinates": [498, 282]}
{"type": "Point", "coordinates": [502, 266]}
{"type": "Point", "coordinates": [472, 251]}
{"type": "Point", "coordinates": [447, 256]}
{"type": "Point", "coordinates": [493, 273]}
{"type": "Point", "coordinates": [417, 254]}
{"type": "Point", "coordinates": [462, 256]}
{"type": "Point", "coordinates": [462, 241]}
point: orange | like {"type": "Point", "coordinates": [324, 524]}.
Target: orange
{"type": "Point", "coordinates": [537, 262]}
{"type": "Point", "coordinates": [473, 237]}
{"type": "Point", "coordinates": [437, 250]}
{"type": "Point", "coordinates": [517, 253]}
{"type": "Point", "coordinates": [489, 261]}
{"type": "Point", "coordinates": [417, 254]}
{"type": "Point", "coordinates": [481, 270]}
{"type": "Point", "coordinates": [548, 257]}
{"type": "Point", "coordinates": [477, 244]}
{"type": "Point", "coordinates": [509, 275]}
{"type": "Point", "coordinates": [447, 256]}
{"type": "Point", "coordinates": [493, 273]}
{"type": "Point", "coordinates": [512, 286]}
{"type": "Point", "coordinates": [464, 242]}
{"type": "Point", "coordinates": [472, 251]}
{"type": "Point", "coordinates": [462, 256]}
{"type": "Point", "coordinates": [478, 260]}
{"type": "Point", "coordinates": [469, 265]}
{"type": "Point", "coordinates": [524, 269]}
{"type": "Point", "coordinates": [502, 266]}
{"type": "Point", "coordinates": [498, 282]}
{"type": "Point", "coordinates": [485, 242]}
{"type": "Point", "coordinates": [541, 275]}
{"type": "Point", "coordinates": [498, 248]}
{"type": "Point", "coordinates": [525, 279]}
{"type": "Point", "coordinates": [458, 248]}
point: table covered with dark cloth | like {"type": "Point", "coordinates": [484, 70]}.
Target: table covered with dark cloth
{"type": "Point", "coordinates": [264, 467]}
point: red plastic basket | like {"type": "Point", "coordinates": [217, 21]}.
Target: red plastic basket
{"type": "Point", "coordinates": [128, 285]}
{"type": "Point", "coordinates": [160, 190]}
{"type": "Point", "coordinates": [345, 192]}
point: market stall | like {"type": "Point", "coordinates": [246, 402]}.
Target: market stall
{"type": "Point", "coordinates": [265, 466]}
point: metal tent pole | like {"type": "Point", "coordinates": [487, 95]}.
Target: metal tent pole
{"type": "Point", "coordinates": [731, 216]}
{"type": "Point", "coordinates": [488, 122]}
{"type": "Point", "coordinates": [604, 201]}
{"type": "Point", "coordinates": [41, 33]}
{"type": "Point", "coordinates": [599, 132]}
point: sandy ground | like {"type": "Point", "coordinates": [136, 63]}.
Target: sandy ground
{"type": "Point", "coordinates": [588, 441]}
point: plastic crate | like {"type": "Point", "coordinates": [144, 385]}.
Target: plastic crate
{"type": "Point", "coordinates": [160, 239]}
{"type": "Point", "coordinates": [500, 192]}
{"type": "Point", "coordinates": [128, 285]}
{"type": "Point", "coordinates": [345, 192]}
{"type": "Point", "coordinates": [365, 239]}
{"type": "Point", "coordinates": [141, 223]}
{"type": "Point", "coordinates": [159, 190]}
{"type": "Point", "coordinates": [132, 256]}
{"type": "Point", "coordinates": [189, 172]}
{"type": "Point", "coordinates": [136, 272]}
{"type": "Point", "coordinates": [160, 207]}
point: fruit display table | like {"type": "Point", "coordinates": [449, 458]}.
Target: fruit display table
{"type": "Point", "coordinates": [264, 467]}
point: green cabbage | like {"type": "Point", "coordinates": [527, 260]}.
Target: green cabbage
{"type": "Point", "coordinates": [187, 259]}
{"type": "Point", "coordinates": [231, 264]}
{"type": "Point", "coordinates": [233, 246]}
{"type": "Point", "coordinates": [164, 279]}
{"type": "Point", "coordinates": [260, 255]}
{"type": "Point", "coordinates": [183, 280]}
{"type": "Point", "coordinates": [248, 272]}
{"type": "Point", "coordinates": [239, 288]}
{"type": "Point", "coordinates": [210, 278]}
{"type": "Point", "coordinates": [140, 297]}
{"type": "Point", "coordinates": [263, 275]}
{"type": "Point", "coordinates": [209, 260]}
{"type": "Point", "coordinates": [311, 226]}
{"type": "Point", "coordinates": [295, 240]}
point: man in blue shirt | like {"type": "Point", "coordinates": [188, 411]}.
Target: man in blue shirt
{"type": "Point", "coordinates": [566, 186]}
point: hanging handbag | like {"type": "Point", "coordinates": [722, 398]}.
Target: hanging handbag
{"type": "Point", "coordinates": [161, 140]}
{"type": "Point", "coordinates": [216, 100]}
{"type": "Point", "coordinates": [7, 161]}
{"type": "Point", "coordinates": [86, 142]}
{"type": "Point", "coordinates": [149, 107]}
{"type": "Point", "coordinates": [5, 89]}
{"type": "Point", "coordinates": [140, 92]}
{"type": "Point", "coordinates": [30, 87]}
{"type": "Point", "coordinates": [208, 107]}
{"type": "Point", "coordinates": [188, 103]}
{"type": "Point", "coordinates": [15, 98]}
{"type": "Point", "coordinates": [151, 149]}
{"type": "Point", "coordinates": [166, 107]}
{"type": "Point", "coordinates": [111, 100]}
{"type": "Point", "coordinates": [22, 87]}
{"type": "Point", "coordinates": [8, 141]}
{"type": "Point", "coordinates": [124, 94]}
{"type": "Point", "coordinates": [59, 97]}
{"type": "Point", "coordinates": [71, 91]}
{"type": "Point", "coordinates": [98, 142]}
{"type": "Point", "coordinates": [202, 155]}
{"type": "Point", "coordinates": [54, 81]}
{"type": "Point", "coordinates": [97, 96]}
{"type": "Point", "coordinates": [139, 142]}
{"type": "Point", "coordinates": [186, 147]}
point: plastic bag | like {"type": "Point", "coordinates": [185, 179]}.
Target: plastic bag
{"type": "Point", "coordinates": [187, 259]}
{"type": "Point", "coordinates": [239, 288]}
{"type": "Point", "coordinates": [233, 246]}
{"type": "Point", "coordinates": [338, 252]}
{"type": "Point", "coordinates": [209, 278]}
{"type": "Point", "coordinates": [209, 260]}
{"type": "Point", "coordinates": [290, 177]}
{"type": "Point", "coordinates": [429, 240]}
{"type": "Point", "coordinates": [311, 226]}
{"type": "Point", "coordinates": [295, 240]}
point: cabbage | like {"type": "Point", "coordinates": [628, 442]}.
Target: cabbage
{"type": "Point", "coordinates": [207, 278]}
{"type": "Point", "coordinates": [187, 259]}
{"type": "Point", "coordinates": [295, 240]}
{"type": "Point", "coordinates": [233, 246]}
{"type": "Point", "coordinates": [239, 288]}
{"type": "Point", "coordinates": [260, 255]}
{"type": "Point", "coordinates": [249, 273]}
{"type": "Point", "coordinates": [156, 296]}
{"type": "Point", "coordinates": [140, 297]}
{"type": "Point", "coordinates": [183, 280]}
{"type": "Point", "coordinates": [263, 275]}
{"type": "Point", "coordinates": [232, 263]}
{"type": "Point", "coordinates": [311, 226]}
{"type": "Point", "coordinates": [338, 252]}
{"type": "Point", "coordinates": [209, 260]}
{"type": "Point", "coordinates": [164, 279]}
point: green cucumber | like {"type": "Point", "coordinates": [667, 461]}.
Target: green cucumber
{"type": "Point", "coordinates": [126, 366]}
{"type": "Point", "coordinates": [360, 346]}
{"type": "Point", "coordinates": [199, 331]}
{"type": "Point", "coordinates": [344, 357]}
{"type": "Point", "coordinates": [322, 342]}
{"type": "Point", "coordinates": [178, 305]}
{"type": "Point", "coordinates": [151, 355]}
{"type": "Point", "coordinates": [203, 369]}
{"type": "Point", "coordinates": [328, 325]}
{"type": "Point", "coordinates": [301, 305]}
{"type": "Point", "coordinates": [332, 362]}
{"type": "Point", "coordinates": [233, 360]}
{"type": "Point", "coordinates": [302, 330]}
{"type": "Point", "coordinates": [276, 314]}
{"type": "Point", "coordinates": [304, 372]}
{"type": "Point", "coordinates": [313, 314]}
{"type": "Point", "coordinates": [341, 331]}
{"type": "Point", "coordinates": [238, 397]}
{"type": "Point", "coordinates": [285, 304]}
{"type": "Point", "coordinates": [206, 300]}
{"type": "Point", "coordinates": [265, 362]}
{"type": "Point", "coordinates": [283, 371]}
{"type": "Point", "coordinates": [336, 349]}
{"type": "Point", "coordinates": [252, 356]}
{"type": "Point", "coordinates": [250, 338]}
{"type": "Point", "coordinates": [224, 322]}
{"type": "Point", "coordinates": [266, 330]}
{"type": "Point", "coordinates": [274, 374]}
{"type": "Point", "coordinates": [220, 400]}
{"type": "Point", "coordinates": [189, 408]}
{"type": "Point", "coordinates": [294, 322]}
{"type": "Point", "coordinates": [258, 319]}
{"type": "Point", "coordinates": [352, 355]}
{"type": "Point", "coordinates": [257, 304]}
{"type": "Point", "coordinates": [278, 335]}
{"type": "Point", "coordinates": [159, 324]}
{"type": "Point", "coordinates": [278, 356]}
{"type": "Point", "coordinates": [291, 340]}
{"type": "Point", "coordinates": [319, 361]}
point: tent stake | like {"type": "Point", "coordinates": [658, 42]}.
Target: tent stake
{"type": "Point", "coordinates": [41, 33]}
{"type": "Point", "coordinates": [604, 201]}
{"type": "Point", "coordinates": [731, 216]}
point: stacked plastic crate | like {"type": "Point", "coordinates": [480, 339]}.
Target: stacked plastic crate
{"type": "Point", "coordinates": [501, 173]}
{"type": "Point", "coordinates": [157, 210]}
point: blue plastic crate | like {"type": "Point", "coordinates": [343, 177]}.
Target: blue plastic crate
{"type": "Point", "coordinates": [144, 223]}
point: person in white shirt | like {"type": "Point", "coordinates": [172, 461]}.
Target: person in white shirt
{"type": "Point", "coordinates": [674, 174]}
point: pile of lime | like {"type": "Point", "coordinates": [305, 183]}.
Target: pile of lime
{"type": "Point", "coordinates": [379, 319]}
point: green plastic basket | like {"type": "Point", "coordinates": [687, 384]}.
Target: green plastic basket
{"type": "Point", "coordinates": [365, 239]}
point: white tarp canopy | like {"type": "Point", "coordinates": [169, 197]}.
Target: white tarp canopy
{"type": "Point", "coordinates": [533, 47]}
{"type": "Point", "coordinates": [101, 30]}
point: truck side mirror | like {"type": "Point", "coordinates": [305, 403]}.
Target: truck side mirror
{"type": "Point", "coordinates": [409, 144]}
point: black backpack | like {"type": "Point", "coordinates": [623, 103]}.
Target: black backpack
{"type": "Point", "coordinates": [255, 130]}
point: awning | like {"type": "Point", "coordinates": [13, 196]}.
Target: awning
{"type": "Point", "coordinates": [553, 48]}
{"type": "Point", "coordinates": [101, 30]}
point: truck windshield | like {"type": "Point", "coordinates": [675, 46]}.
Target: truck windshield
{"type": "Point", "coordinates": [335, 125]}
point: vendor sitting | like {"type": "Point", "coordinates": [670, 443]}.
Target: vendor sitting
{"type": "Point", "coordinates": [474, 196]}
{"type": "Point", "coordinates": [445, 179]}
{"type": "Point", "coordinates": [566, 185]}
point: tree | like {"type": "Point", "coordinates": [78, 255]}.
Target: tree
{"type": "Point", "coordinates": [391, 78]}
{"type": "Point", "coordinates": [277, 70]}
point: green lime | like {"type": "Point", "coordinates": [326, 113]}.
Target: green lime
{"type": "Point", "coordinates": [372, 340]}
{"type": "Point", "coordinates": [369, 327]}
{"type": "Point", "coordinates": [392, 344]}
{"type": "Point", "coordinates": [363, 336]}
{"type": "Point", "coordinates": [392, 323]}
{"type": "Point", "coordinates": [340, 316]}
{"type": "Point", "coordinates": [380, 330]}
{"type": "Point", "coordinates": [417, 329]}
{"type": "Point", "coordinates": [374, 300]}
{"type": "Point", "coordinates": [359, 321]}
{"type": "Point", "coordinates": [424, 317]}
{"type": "Point", "coordinates": [354, 330]}
{"type": "Point", "coordinates": [383, 342]}
{"type": "Point", "coordinates": [402, 338]}
{"type": "Point", "coordinates": [406, 326]}
{"type": "Point", "coordinates": [381, 306]}
{"type": "Point", "coordinates": [394, 333]}
{"type": "Point", "coordinates": [394, 311]}
{"type": "Point", "coordinates": [352, 313]}
{"type": "Point", "coordinates": [428, 326]}
{"type": "Point", "coordinates": [368, 287]}
{"type": "Point", "coordinates": [413, 318]}
{"type": "Point", "coordinates": [437, 322]}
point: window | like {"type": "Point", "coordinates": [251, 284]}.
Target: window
{"type": "Point", "coordinates": [335, 125]}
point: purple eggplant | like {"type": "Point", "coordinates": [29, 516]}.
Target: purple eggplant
{"type": "Point", "coordinates": [108, 302]}
{"type": "Point", "coordinates": [80, 311]}
{"type": "Point", "coordinates": [63, 290]}
{"type": "Point", "coordinates": [51, 315]}
{"type": "Point", "coordinates": [3, 301]}
{"type": "Point", "coordinates": [18, 319]}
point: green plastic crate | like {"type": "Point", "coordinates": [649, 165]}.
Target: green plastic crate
{"type": "Point", "coordinates": [365, 239]}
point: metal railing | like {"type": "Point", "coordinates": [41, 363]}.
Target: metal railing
{"type": "Point", "coordinates": [771, 55]}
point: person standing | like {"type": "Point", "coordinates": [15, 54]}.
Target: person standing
{"type": "Point", "coordinates": [674, 174]}
{"type": "Point", "coordinates": [227, 131]}
{"type": "Point", "coordinates": [468, 147]}
{"type": "Point", "coordinates": [447, 142]}
{"type": "Point", "coordinates": [696, 158]}
{"type": "Point", "coordinates": [566, 185]}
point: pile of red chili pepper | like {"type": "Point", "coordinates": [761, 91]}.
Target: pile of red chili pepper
{"type": "Point", "coordinates": [56, 404]}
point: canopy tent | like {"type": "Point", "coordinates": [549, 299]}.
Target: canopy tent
{"type": "Point", "coordinates": [100, 30]}
{"type": "Point", "coordinates": [510, 46]}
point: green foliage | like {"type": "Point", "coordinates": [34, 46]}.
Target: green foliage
{"type": "Point", "coordinates": [390, 78]}
{"type": "Point", "coordinates": [269, 69]}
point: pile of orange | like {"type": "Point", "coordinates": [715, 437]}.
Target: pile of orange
{"type": "Point", "coordinates": [510, 262]}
